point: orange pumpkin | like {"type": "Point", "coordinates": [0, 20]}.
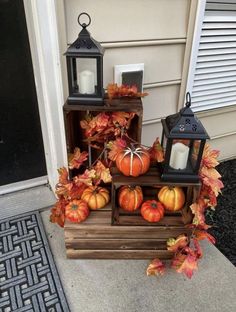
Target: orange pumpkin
{"type": "Point", "coordinates": [96, 197]}
{"type": "Point", "coordinates": [77, 211]}
{"type": "Point", "coordinates": [152, 210]}
{"type": "Point", "coordinates": [133, 161]}
{"type": "Point", "coordinates": [172, 197]}
{"type": "Point", "coordinates": [130, 197]}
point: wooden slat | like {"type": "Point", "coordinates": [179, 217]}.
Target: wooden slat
{"type": "Point", "coordinates": [108, 231]}
{"type": "Point", "coordinates": [116, 244]}
{"type": "Point", "coordinates": [138, 220]}
{"type": "Point", "coordinates": [151, 178]}
{"type": "Point", "coordinates": [118, 254]}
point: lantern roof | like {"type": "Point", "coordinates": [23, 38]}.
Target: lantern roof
{"type": "Point", "coordinates": [85, 45]}
{"type": "Point", "coordinates": [184, 124]}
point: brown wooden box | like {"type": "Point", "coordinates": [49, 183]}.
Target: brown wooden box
{"type": "Point", "coordinates": [132, 237]}
{"type": "Point", "coordinates": [96, 238]}
{"type": "Point", "coordinates": [151, 183]}
{"type": "Point", "coordinates": [74, 113]}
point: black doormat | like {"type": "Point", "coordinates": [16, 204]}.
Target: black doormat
{"type": "Point", "coordinates": [29, 280]}
{"type": "Point", "coordinates": [223, 220]}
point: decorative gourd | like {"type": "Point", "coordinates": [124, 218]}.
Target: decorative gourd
{"type": "Point", "coordinates": [152, 210]}
{"type": "Point", "coordinates": [130, 197]}
{"type": "Point", "coordinates": [172, 197]}
{"type": "Point", "coordinates": [77, 211]}
{"type": "Point", "coordinates": [133, 161]}
{"type": "Point", "coordinates": [96, 197]}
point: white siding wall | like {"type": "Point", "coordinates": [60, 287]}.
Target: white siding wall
{"type": "Point", "coordinates": [157, 33]}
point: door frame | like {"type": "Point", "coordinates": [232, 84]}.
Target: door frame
{"type": "Point", "coordinates": [41, 19]}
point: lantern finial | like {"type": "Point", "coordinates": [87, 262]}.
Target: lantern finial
{"type": "Point", "coordinates": [188, 100]}
{"type": "Point", "coordinates": [84, 25]}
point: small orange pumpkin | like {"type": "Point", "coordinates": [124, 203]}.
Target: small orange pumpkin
{"type": "Point", "coordinates": [77, 211]}
{"type": "Point", "coordinates": [133, 161]}
{"type": "Point", "coordinates": [96, 197]}
{"type": "Point", "coordinates": [130, 197]}
{"type": "Point", "coordinates": [152, 210]}
{"type": "Point", "coordinates": [172, 197]}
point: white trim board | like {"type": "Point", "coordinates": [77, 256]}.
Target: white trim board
{"type": "Point", "coordinates": [44, 43]}
{"type": "Point", "coordinates": [22, 185]}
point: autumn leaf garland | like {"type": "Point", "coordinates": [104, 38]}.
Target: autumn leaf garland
{"type": "Point", "coordinates": [187, 251]}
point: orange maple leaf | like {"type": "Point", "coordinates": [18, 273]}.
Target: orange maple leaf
{"type": "Point", "coordinates": [102, 173]}
{"type": "Point", "coordinates": [116, 147]}
{"type": "Point", "coordinates": [209, 157]}
{"type": "Point", "coordinates": [176, 244]}
{"type": "Point", "coordinates": [64, 186]}
{"type": "Point", "coordinates": [156, 151]}
{"type": "Point", "coordinates": [77, 159]}
{"type": "Point", "coordinates": [121, 118]}
{"type": "Point", "coordinates": [85, 178]}
{"type": "Point", "coordinates": [156, 267]}
{"type": "Point", "coordinates": [198, 209]}
{"type": "Point", "coordinates": [115, 91]}
{"type": "Point", "coordinates": [58, 212]}
{"type": "Point", "coordinates": [211, 178]}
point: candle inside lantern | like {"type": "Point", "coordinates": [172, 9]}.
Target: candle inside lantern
{"type": "Point", "coordinates": [179, 156]}
{"type": "Point", "coordinates": [86, 82]}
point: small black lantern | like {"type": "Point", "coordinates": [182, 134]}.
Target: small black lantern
{"type": "Point", "coordinates": [183, 140]}
{"type": "Point", "coordinates": [85, 68]}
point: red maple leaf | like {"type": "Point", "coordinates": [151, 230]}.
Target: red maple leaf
{"type": "Point", "coordinates": [185, 262]}
{"type": "Point", "coordinates": [201, 235]}
{"type": "Point", "coordinates": [156, 267]}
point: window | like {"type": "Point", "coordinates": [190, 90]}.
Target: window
{"type": "Point", "coordinates": [212, 73]}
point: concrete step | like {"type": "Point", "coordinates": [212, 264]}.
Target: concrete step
{"type": "Point", "coordinates": [122, 285]}
{"type": "Point", "coordinates": [26, 200]}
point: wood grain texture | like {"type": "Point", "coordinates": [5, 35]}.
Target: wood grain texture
{"type": "Point", "coordinates": [117, 254]}
{"type": "Point", "coordinates": [116, 244]}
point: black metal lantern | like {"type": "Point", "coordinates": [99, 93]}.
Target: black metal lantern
{"type": "Point", "coordinates": [183, 140]}
{"type": "Point", "coordinates": [85, 68]}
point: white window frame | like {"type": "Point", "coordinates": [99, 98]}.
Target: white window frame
{"type": "Point", "coordinates": [41, 18]}
{"type": "Point", "coordinates": [195, 44]}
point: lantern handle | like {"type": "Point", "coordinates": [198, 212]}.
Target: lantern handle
{"type": "Point", "coordinates": [188, 100]}
{"type": "Point", "coordinates": [84, 25]}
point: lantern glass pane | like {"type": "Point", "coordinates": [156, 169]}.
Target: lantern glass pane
{"type": "Point", "coordinates": [179, 156]}
{"type": "Point", "coordinates": [86, 76]}
{"type": "Point", "coordinates": [164, 142]}
{"type": "Point", "coordinates": [195, 152]}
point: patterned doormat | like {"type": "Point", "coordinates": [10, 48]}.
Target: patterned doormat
{"type": "Point", "coordinates": [28, 276]}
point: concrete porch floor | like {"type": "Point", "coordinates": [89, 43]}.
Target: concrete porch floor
{"type": "Point", "coordinates": [122, 285]}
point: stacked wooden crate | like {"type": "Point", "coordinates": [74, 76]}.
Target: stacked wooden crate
{"type": "Point", "coordinates": [112, 233]}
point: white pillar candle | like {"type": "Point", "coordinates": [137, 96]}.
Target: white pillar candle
{"type": "Point", "coordinates": [179, 156]}
{"type": "Point", "coordinates": [86, 82]}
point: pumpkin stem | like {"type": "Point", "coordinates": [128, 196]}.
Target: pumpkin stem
{"type": "Point", "coordinates": [154, 205]}
{"type": "Point", "coordinates": [74, 207]}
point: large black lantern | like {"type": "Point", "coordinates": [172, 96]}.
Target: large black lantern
{"type": "Point", "coordinates": [183, 140]}
{"type": "Point", "coordinates": [85, 68]}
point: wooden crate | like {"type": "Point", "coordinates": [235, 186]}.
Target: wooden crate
{"type": "Point", "coordinates": [74, 113]}
{"type": "Point", "coordinates": [151, 183]}
{"type": "Point", "coordinates": [96, 238]}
